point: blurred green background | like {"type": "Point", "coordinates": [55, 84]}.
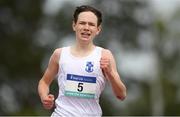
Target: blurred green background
{"type": "Point", "coordinates": [142, 34]}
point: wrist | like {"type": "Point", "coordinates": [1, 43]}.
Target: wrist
{"type": "Point", "coordinates": [111, 75]}
{"type": "Point", "coordinates": [42, 97]}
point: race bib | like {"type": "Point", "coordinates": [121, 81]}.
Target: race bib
{"type": "Point", "coordinates": [80, 86]}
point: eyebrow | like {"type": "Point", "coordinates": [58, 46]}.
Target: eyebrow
{"type": "Point", "coordinates": [87, 22]}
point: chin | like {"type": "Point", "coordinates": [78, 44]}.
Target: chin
{"type": "Point", "coordinates": [85, 39]}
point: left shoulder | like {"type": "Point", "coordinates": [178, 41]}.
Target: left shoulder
{"type": "Point", "coordinates": [106, 52]}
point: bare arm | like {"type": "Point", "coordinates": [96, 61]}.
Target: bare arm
{"type": "Point", "coordinates": [108, 66]}
{"type": "Point", "coordinates": [49, 75]}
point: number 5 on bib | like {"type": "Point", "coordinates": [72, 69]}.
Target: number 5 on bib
{"type": "Point", "coordinates": [80, 86]}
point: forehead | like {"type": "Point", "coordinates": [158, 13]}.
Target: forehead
{"type": "Point", "coordinates": [87, 16]}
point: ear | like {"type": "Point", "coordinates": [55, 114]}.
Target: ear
{"type": "Point", "coordinates": [98, 29]}
{"type": "Point", "coordinates": [73, 25]}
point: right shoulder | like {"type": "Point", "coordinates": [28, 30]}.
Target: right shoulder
{"type": "Point", "coordinates": [56, 54]}
{"type": "Point", "coordinates": [57, 51]}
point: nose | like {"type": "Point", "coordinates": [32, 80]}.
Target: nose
{"type": "Point", "coordinates": [86, 27]}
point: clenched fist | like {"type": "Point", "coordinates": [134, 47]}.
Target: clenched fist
{"type": "Point", "coordinates": [48, 101]}
{"type": "Point", "coordinates": [105, 64]}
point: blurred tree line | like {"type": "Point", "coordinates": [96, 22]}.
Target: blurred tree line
{"type": "Point", "coordinates": [28, 36]}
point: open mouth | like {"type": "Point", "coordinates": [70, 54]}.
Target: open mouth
{"type": "Point", "coordinates": [85, 35]}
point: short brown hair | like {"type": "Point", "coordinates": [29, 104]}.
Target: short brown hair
{"type": "Point", "coordinates": [84, 8]}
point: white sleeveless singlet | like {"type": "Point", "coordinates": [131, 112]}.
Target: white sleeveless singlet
{"type": "Point", "coordinates": [81, 82]}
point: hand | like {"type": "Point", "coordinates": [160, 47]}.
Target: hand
{"type": "Point", "coordinates": [48, 101]}
{"type": "Point", "coordinates": [105, 65]}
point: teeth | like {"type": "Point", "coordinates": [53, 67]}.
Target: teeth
{"type": "Point", "coordinates": [85, 34]}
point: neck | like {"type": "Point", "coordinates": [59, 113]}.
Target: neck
{"type": "Point", "coordinates": [83, 47]}
{"type": "Point", "coordinates": [81, 50]}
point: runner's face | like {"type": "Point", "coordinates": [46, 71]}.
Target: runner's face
{"type": "Point", "coordinates": [86, 26]}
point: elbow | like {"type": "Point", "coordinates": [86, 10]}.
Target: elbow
{"type": "Point", "coordinates": [122, 95]}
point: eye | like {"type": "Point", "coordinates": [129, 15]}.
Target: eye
{"type": "Point", "coordinates": [82, 23]}
{"type": "Point", "coordinates": [91, 24]}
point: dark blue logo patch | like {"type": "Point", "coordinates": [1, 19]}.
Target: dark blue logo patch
{"type": "Point", "coordinates": [89, 67]}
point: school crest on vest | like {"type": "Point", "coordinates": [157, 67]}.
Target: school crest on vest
{"type": "Point", "coordinates": [89, 66]}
